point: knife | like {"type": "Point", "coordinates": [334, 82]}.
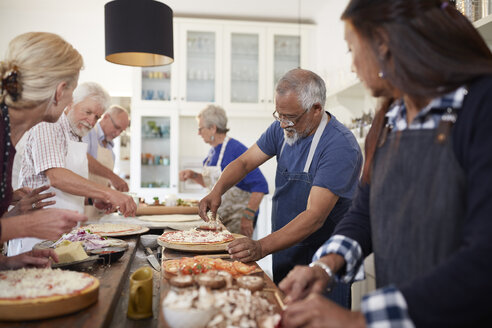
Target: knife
{"type": "Point", "coordinates": [152, 260]}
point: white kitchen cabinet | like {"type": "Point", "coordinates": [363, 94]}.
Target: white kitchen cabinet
{"type": "Point", "coordinates": [256, 56]}
{"type": "Point", "coordinates": [154, 148]}
{"type": "Point", "coordinates": [234, 64]}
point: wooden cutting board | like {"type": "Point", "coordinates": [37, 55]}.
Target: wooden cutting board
{"type": "Point", "coordinates": [210, 248]}
{"type": "Point", "coordinates": [160, 209]}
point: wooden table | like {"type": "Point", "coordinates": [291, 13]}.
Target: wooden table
{"type": "Point", "coordinates": [270, 287]}
{"type": "Point", "coordinates": [110, 309]}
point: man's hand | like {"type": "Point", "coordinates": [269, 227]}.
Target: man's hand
{"type": "Point", "coordinates": [303, 280]}
{"type": "Point", "coordinates": [211, 202]}
{"type": "Point", "coordinates": [245, 250]}
{"type": "Point", "coordinates": [118, 183]}
{"type": "Point", "coordinates": [247, 227]}
{"type": "Point", "coordinates": [39, 258]}
{"type": "Point", "coordinates": [102, 205]}
{"type": "Point", "coordinates": [51, 223]}
{"type": "Point", "coordinates": [318, 311]}
{"type": "Point", "coordinates": [124, 203]}
{"type": "Point", "coordinates": [31, 201]}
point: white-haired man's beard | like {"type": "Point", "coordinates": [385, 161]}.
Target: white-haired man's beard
{"type": "Point", "coordinates": [291, 136]}
{"type": "Point", "coordinates": [81, 132]}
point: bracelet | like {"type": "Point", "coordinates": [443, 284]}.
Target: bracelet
{"type": "Point", "coordinates": [250, 210]}
{"type": "Point", "coordinates": [328, 271]}
{"type": "Point", "coordinates": [249, 216]}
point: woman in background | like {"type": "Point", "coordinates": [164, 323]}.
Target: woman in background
{"type": "Point", "coordinates": [38, 76]}
{"type": "Point", "coordinates": [239, 208]}
{"type": "Point", "coordinates": [424, 205]}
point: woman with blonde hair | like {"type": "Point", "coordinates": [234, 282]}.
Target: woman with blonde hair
{"type": "Point", "coordinates": [38, 76]}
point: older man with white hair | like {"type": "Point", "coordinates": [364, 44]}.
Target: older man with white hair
{"type": "Point", "coordinates": [55, 154]}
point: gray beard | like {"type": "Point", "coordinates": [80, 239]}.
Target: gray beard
{"type": "Point", "coordinates": [80, 132]}
{"type": "Point", "coordinates": [293, 139]}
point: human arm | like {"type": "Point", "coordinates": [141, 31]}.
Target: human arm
{"type": "Point", "coordinates": [32, 200]}
{"type": "Point", "coordinates": [249, 213]}
{"type": "Point", "coordinates": [40, 258]}
{"type": "Point", "coordinates": [48, 223]}
{"type": "Point", "coordinates": [190, 174]}
{"type": "Point", "coordinates": [74, 184]}
{"type": "Point", "coordinates": [232, 174]}
{"type": "Point", "coordinates": [319, 205]}
{"type": "Point", "coordinates": [98, 169]}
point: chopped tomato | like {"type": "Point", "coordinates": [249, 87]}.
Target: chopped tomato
{"type": "Point", "coordinates": [243, 268]}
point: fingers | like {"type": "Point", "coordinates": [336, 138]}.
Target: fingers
{"type": "Point", "coordinates": [40, 189]}
{"type": "Point", "coordinates": [244, 250]}
{"type": "Point", "coordinates": [40, 205]}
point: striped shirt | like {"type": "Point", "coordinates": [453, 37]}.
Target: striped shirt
{"type": "Point", "coordinates": [46, 148]}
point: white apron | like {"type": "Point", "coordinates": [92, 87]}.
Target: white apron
{"type": "Point", "coordinates": [75, 161]}
{"type": "Point", "coordinates": [234, 200]}
{"type": "Point", "coordinates": [105, 157]}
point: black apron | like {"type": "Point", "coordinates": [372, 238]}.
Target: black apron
{"type": "Point", "coordinates": [417, 204]}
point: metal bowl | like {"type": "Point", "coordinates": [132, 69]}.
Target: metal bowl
{"type": "Point", "coordinates": [109, 254]}
{"type": "Point", "coordinates": [149, 240]}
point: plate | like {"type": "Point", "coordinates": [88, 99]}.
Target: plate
{"type": "Point", "coordinates": [113, 243]}
{"type": "Point", "coordinates": [106, 227]}
{"type": "Point", "coordinates": [108, 254]}
{"type": "Point", "coordinates": [209, 248]}
{"type": "Point", "coordinates": [77, 265]}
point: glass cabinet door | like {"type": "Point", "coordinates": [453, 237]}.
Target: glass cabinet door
{"type": "Point", "coordinates": [286, 55]}
{"type": "Point", "coordinates": [156, 152]}
{"type": "Point", "coordinates": [200, 63]}
{"type": "Point", "coordinates": [244, 68]}
{"type": "Point", "coordinates": [156, 83]}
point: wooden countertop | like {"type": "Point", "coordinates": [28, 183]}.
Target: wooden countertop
{"type": "Point", "coordinates": [112, 278]}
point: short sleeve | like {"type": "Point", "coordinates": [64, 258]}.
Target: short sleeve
{"type": "Point", "coordinates": [270, 142]}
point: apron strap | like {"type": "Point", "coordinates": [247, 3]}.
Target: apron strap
{"type": "Point", "coordinates": [222, 149]}
{"type": "Point", "coordinates": [315, 142]}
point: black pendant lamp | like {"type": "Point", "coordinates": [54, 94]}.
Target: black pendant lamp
{"type": "Point", "coordinates": [138, 33]}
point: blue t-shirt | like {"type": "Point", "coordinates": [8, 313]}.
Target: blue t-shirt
{"type": "Point", "coordinates": [336, 163]}
{"type": "Point", "coordinates": [254, 181]}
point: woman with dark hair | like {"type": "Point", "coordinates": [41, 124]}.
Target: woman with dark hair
{"type": "Point", "coordinates": [424, 203]}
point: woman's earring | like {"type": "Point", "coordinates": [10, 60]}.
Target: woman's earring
{"type": "Point", "coordinates": [381, 75]}
{"type": "Point", "coordinates": [212, 138]}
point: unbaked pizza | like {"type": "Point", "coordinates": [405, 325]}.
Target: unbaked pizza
{"type": "Point", "coordinates": [40, 293]}
{"type": "Point", "coordinates": [196, 237]}
{"type": "Point", "coordinates": [115, 229]}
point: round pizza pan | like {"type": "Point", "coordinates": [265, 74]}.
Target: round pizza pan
{"type": "Point", "coordinates": [48, 307]}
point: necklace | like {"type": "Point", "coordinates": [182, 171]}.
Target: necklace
{"type": "Point", "coordinates": [3, 182]}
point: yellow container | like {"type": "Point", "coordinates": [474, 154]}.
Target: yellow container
{"type": "Point", "coordinates": [140, 301]}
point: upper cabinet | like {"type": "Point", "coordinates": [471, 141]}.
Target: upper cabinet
{"type": "Point", "coordinates": [235, 64]}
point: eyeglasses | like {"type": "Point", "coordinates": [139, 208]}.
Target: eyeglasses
{"type": "Point", "coordinates": [117, 127]}
{"type": "Point", "coordinates": [288, 120]}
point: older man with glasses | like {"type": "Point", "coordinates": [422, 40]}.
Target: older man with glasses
{"type": "Point", "coordinates": [100, 147]}
{"type": "Point", "coordinates": [318, 167]}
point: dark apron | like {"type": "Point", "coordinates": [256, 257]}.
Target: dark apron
{"type": "Point", "coordinates": [290, 198]}
{"type": "Point", "coordinates": [417, 204]}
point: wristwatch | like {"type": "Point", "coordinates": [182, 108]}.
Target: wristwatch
{"type": "Point", "coordinates": [328, 271]}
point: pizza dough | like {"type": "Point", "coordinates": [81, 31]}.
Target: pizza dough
{"type": "Point", "coordinates": [28, 294]}
{"type": "Point", "coordinates": [170, 218]}
{"type": "Point", "coordinates": [196, 237]}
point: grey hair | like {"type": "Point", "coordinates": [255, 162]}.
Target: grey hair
{"type": "Point", "coordinates": [94, 91]}
{"type": "Point", "coordinates": [308, 86]}
{"type": "Point", "coordinates": [214, 115]}
{"type": "Point", "coordinates": [117, 109]}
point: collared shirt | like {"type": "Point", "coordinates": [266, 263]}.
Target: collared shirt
{"type": "Point", "coordinates": [46, 148]}
{"type": "Point", "coordinates": [386, 307]}
{"type": "Point", "coordinates": [94, 138]}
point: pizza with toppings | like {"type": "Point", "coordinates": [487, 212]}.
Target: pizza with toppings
{"type": "Point", "coordinates": [196, 237]}
{"type": "Point", "coordinates": [27, 294]}
{"type": "Point", "coordinates": [115, 229]}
